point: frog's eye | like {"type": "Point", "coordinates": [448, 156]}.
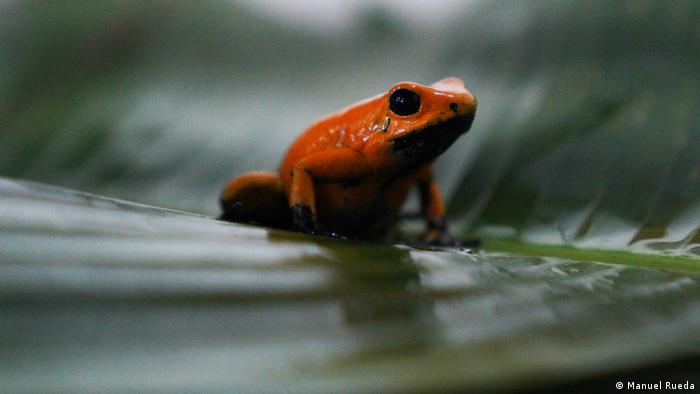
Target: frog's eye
{"type": "Point", "coordinates": [404, 102]}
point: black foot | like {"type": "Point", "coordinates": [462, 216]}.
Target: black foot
{"type": "Point", "coordinates": [438, 235]}
{"type": "Point", "coordinates": [306, 222]}
{"type": "Point", "coordinates": [450, 242]}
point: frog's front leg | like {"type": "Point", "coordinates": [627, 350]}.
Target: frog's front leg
{"type": "Point", "coordinates": [433, 210]}
{"type": "Point", "coordinates": [335, 165]}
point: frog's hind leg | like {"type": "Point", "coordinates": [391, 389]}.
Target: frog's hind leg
{"type": "Point", "coordinates": [258, 198]}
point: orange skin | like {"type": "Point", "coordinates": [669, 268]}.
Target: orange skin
{"type": "Point", "coordinates": [349, 173]}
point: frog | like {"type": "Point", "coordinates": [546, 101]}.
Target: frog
{"type": "Point", "coordinates": [349, 174]}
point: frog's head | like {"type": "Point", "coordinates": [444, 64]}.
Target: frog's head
{"type": "Point", "coordinates": [418, 123]}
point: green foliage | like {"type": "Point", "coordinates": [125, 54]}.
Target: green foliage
{"type": "Point", "coordinates": [103, 295]}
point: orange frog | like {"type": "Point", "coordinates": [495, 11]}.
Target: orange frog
{"type": "Point", "coordinates": [349, 173]}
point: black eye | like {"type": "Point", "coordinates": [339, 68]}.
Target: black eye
{"type": "Point", "coordinates": [404, 102]}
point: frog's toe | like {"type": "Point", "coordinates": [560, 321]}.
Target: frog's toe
{"type": "Point", "coordinates": [436, 237]}
{"type": "Point", "coordinates": [443, 238]}
{"type": "Point", "coordinates": [307, 222]}
{"type": "Point", "coordinates": [305, 219]}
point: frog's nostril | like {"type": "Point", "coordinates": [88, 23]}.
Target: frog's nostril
{"type": "Point", "coordinates": [463, 107]}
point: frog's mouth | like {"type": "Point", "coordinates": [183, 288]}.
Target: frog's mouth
{"type": "Point", "coordinates": [425, 145]}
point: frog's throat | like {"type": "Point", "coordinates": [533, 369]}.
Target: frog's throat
{"type": "Point", "coordinates": [425, 145]}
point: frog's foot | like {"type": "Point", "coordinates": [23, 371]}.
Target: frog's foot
{"type": "Point", "coordinates": [444, 239]}
{"type": "Point", "coordinates": [306, 222]}
{"type": "Point", "coordinates": [439, 238]}
{"type": "Point", "coordinates": [438, 235]}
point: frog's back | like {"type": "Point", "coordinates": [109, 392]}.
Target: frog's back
{"type": "Point", "coordinates": [347, 128]}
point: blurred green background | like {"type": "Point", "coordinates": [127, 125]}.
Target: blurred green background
{"type": "Point", "coordinates": [585, 148]}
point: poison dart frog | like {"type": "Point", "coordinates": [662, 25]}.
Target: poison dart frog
{"type": "Point", "coordinates": [349, 173]}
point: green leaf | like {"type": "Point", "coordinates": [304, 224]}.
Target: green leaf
{"type": "Point", "coordinates": [99, 294]}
